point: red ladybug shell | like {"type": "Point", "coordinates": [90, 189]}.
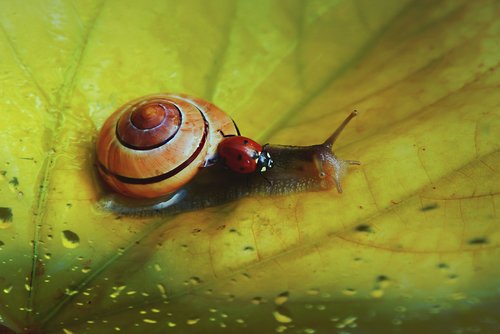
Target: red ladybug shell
{"type": "Point", "coordinates": [239, 154]}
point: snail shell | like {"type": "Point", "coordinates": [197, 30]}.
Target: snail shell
{"type": "Point", "coordinates": [152, 146]}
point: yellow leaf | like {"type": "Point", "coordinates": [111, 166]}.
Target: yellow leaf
{"type": "Point", "coordinates": [412, 245]}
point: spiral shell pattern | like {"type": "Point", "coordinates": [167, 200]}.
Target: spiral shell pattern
{"type": "Point", "coordinates": [152, 146]}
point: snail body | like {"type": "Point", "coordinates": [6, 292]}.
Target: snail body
{"type": "Point", "coordinates": [175, 153]}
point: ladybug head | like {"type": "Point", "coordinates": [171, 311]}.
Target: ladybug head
{"type": "Point", "coordinates": [264, 161]}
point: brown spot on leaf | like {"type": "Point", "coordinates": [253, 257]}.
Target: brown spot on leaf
{"type": "Point", "coordinates": [6, 214]}
{"type": "Point", "coordinates": [364, 228]}
{"type": "Point", "coordinates": [478, 241]}
{"type": "Point", "coordinates": [14, 181]}
{"type": "Point", "coordinates": [429, 207]}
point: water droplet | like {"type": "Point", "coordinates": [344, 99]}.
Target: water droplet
{"type": "Point", "coordinates": [149, 321]}
{"type": "Point", "coordinates": [70, 239]}
{"type": "Point", "coordinates": [443, 265]}
{"type": "Point", "coordinates": [195, 280]}
{"type": "Point", "coordinates": [282, 315]}
{"type": "Point", "coordinates": [157, 267]}
{"type": "Point", "coordinates": [309, 331]}
{"type": "Point", "coordinates": [193, 321]}
{"type": "Point", "coordinates": [383, 281]}
{"type": "Point", "coordinates": [400, 309]}
{"type": "Point", "coordinates": [47, 256]}
{"type": "Point", "coordinates": [458, 296]}
{"type": "Point", "coordinates": [478, 241]}
{"type": "Point", "coordinates": [349, 291]}
{"type": "Point", "coordinates": [256, 300]}
{"type": "Point", "coordinates": [347, 322]}
{"type": "Point", "coordinates": [452, 278]}
{"type": "Point", "coordinates": [281, 328]}
{"type": "Point", "coordinates": [70, 292]}
{"type": "Point", "coordinates": [364, 228]}
{"type": "Point", "coordinates": [171, 324]}
{"type": "Point", "coordinates": [8, 289]}
{"type": "Point", "coordinates": [155, 310]}
{"type": "Point", "coordinates": [67, 331]}
{"type": "Point", "coordinates": [27, 287]}
{"type": "Point", "coordinates": [162, 290]}
{"type": "Point", "coordinates": [282, 298]}
{"type": "Point", "coordinates": [435, 309]}
{"type": "Point", "coordinates": [117, 291]}
{"type": "Point", "coordinates": [86, 270]}
{"type": "Point", "coordinates": [377, 293]}
{"type": "Point", "coordinates": [313, 292]}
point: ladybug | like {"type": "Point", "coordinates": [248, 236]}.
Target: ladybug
{"type": "Point", "coordinates": [244, 155]}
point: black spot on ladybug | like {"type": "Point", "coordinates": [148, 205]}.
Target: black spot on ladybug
{"type": "Point", "coordinates": [242, 168]}
{"type": "Point", "coordinates": [240, 157]}
{"type": "Point", "coordinates": [245, 142]}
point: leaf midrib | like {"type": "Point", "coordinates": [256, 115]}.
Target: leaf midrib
{"type": "Point", "coordinates": [39, 205]}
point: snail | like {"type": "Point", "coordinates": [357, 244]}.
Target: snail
{"type": "Point", "coordinates": [168, 153]}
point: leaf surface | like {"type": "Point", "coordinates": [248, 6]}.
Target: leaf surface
{"type": "Point", "coordinates": [411, 244]}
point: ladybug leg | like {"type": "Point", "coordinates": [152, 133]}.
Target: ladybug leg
{"type": "Point", "coordinates": [210, 162]}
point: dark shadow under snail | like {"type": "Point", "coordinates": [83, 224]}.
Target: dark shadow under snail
{"type": "Point", "coordinates": [166, 154]}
